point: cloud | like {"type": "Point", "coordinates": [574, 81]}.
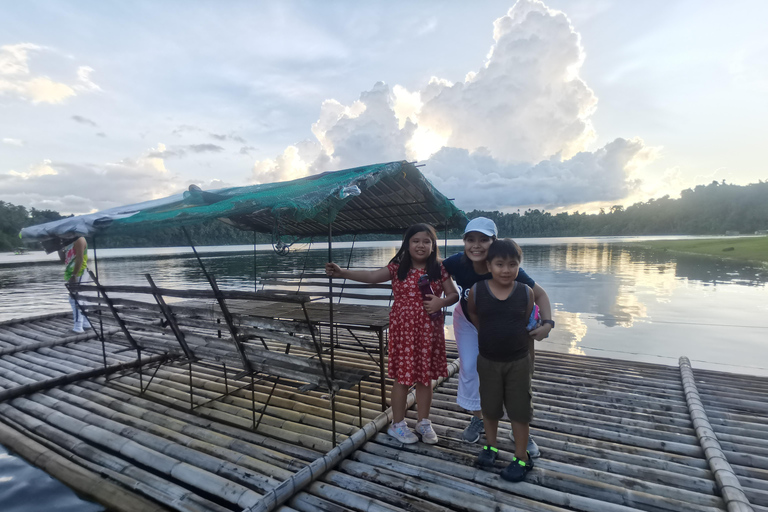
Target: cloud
{"type": "Point", "coordinates": [205, 148]}
{"type": "Point", "coordinates": [526, 102]}
{"type": "Point", "coordinates": [69, 187]}
{"type": "Point", "coordinates": [179, 151]}
{"type": "Point", "coordinates": [187, 128]}
{"type": "Point", "coordinates": [482, 182]}
{"type": "Point", "coordinates": [13, 142]}
{"type": "Point", "coordinates": [84, 120]}
{"type": "Point", "coordinates": [515, 131]}
{"type": "Point", "coordinates": [16, 78]}
{"type": "Point", "coordinates": [232, 137]}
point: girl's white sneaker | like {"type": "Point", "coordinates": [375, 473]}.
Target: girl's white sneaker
{"type": "Point", "coordinates": [402, 433]}
{"type": "Point", "coordinates": [425, 432]}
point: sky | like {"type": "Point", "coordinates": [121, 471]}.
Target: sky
{"type": "Point", "coordinates": [564, 105]}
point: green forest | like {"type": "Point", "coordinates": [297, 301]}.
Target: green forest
{"type": "Point", "coordinates": [712, 209]}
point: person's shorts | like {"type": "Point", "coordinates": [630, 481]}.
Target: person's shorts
{"type": "Point", "coordinates": [506, 385]}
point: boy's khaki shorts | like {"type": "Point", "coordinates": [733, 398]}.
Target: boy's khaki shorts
{"type": "Point", "coordinates": [506, 385]}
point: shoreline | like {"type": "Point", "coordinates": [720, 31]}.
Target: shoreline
{"type": "Point", "coordinates": [751, 248]}
{"type": "Point", "coordinates": [9, 259]}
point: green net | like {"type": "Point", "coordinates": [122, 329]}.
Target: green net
{"type": "Point", "coordinates": [380, 198]}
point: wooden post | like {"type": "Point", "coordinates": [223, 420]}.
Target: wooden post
{"type": "Point", "coordinates": [170, 318]}
{"type": "Point", "coordinates": [331, 333]}
{"type": "Point", "coordinates": [224, 310]}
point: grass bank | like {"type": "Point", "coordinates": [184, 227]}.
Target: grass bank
{"type": "Point", "coordinates": [743, 249]}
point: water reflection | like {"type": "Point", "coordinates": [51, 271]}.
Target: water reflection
{"type": "Point", "coordinates": [609, 299]}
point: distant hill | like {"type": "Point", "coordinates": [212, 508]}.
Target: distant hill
{"type": "Point", "coordinates": [705, 210]}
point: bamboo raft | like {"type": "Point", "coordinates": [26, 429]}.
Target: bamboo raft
{"type": "Point", "coordinates": [614, 435]}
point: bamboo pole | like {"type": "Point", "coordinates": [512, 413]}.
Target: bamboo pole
{"type": "Point", "coordinates": [87, 483]}
{"type": "Point", "coordinates": [285, 490]}
{"type": "Point", "coordinates": [46, 344]}
{"type": "Point", "coordinates": [102, 463]}
{"type": "Point", "coordinates": [161, 438]}
{"type": "Point", "coordinates": [33, 318]}
{"type": "Point", "coordinates": [188, 473]}
{"type": "Point", "coordinates": [33, 387]}
{"type": "Point", "coordinates": [727, 481]}
{"type": "Point", "coordinates": [298, 454]}
{"type": "Point", "coordinates": [631, 491]}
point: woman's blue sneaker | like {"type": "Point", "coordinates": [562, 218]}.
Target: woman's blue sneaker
{"type": "Point", "coordinates": [532, 448]}
{"type": "Point", "coordinates": [472, 433]}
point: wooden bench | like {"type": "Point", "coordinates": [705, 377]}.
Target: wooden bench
{"type": "Point", "coordinates": [198, 330]}
{"type": "Point", "coordinates": [316, 286]}
{"type": "Point", "coordinates": [358, 308]}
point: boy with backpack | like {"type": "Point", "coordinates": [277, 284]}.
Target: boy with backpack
{"type": "Point", "coordinates": [500, 308]}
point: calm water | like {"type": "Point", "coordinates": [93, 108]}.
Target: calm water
{"type": "Point", "coordinates": [24, 488]}
{"type": "Point", "coordinates": [609, 299]}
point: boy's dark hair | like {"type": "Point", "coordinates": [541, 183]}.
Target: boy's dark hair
{"type": "Point", "coordinates": [505, 248]}
{"type": "Point", "coordinates": [403, 257]}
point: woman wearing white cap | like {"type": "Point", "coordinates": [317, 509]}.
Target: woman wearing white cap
{"type": "Point", "coordinates": [468, 268]}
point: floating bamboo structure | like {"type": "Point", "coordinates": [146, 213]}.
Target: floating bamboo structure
{"type": "Point", "coordinates": [614, 435]}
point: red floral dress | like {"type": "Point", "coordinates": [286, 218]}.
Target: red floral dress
{"type": "Point", "coordinates": [416, 342]}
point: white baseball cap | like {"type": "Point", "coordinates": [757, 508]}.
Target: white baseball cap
{"type": "Point", "coordinates": [482, 225]}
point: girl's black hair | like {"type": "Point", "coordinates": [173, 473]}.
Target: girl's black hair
{"type": "Point", "coordinates": [403, 256]}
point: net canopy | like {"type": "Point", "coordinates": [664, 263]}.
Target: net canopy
{"type": "Point", "coordinates": [380, 198]}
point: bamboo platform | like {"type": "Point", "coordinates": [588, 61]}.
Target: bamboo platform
{"type": "Point", "coordinates": [615, 435]}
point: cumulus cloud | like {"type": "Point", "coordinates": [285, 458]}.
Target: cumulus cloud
{"type": "Point", "coordinates": [13, 142]}
{"type": "Point", "coordinates": [526, 102]}
{"type": "Point", "coordinates": [483, 182]}
{"type": "Point", "coordinates": [17, 79]}
{"type": "Point", "coordinates": [514, 131]}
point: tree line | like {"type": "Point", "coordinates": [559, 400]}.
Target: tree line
{"type": "Point", "coordinates": [704, 210]}
{"type": "Point", "coordinates": [712, 209]}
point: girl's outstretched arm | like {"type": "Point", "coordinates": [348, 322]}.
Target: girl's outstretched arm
{"type": "Point", "coordinates": [380, 275]}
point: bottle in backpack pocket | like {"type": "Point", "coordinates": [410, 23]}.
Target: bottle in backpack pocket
{"type": "Point", "coordinates": [426, 289]}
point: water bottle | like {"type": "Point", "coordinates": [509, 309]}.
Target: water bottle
{"type": "Point", "coordinates": [535, 320]}
{"type": "Point", "coordinates": [426, 289]}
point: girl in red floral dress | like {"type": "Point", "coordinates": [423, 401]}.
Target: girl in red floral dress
{"type": "Point", "coordinates": [416, 341]}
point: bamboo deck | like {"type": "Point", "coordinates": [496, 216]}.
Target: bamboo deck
{"type": "Point", "coordinates": [615, 436]}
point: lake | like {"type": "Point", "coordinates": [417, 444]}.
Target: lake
{"type": "Point", "coordinates": [610, 300]}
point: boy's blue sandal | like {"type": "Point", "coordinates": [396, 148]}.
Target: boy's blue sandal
{"type": "Point", "coordinates": [487, 457]}
{"type": "Point", "coordinates": [517, 469]}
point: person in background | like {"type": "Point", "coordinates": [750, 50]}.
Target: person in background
{"type": "Point", "coordinates": [75, 258]}
{"type": "Point", "coordinates": [468, 268]}
{"type": "Point", "coordinates": [416, 330]}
